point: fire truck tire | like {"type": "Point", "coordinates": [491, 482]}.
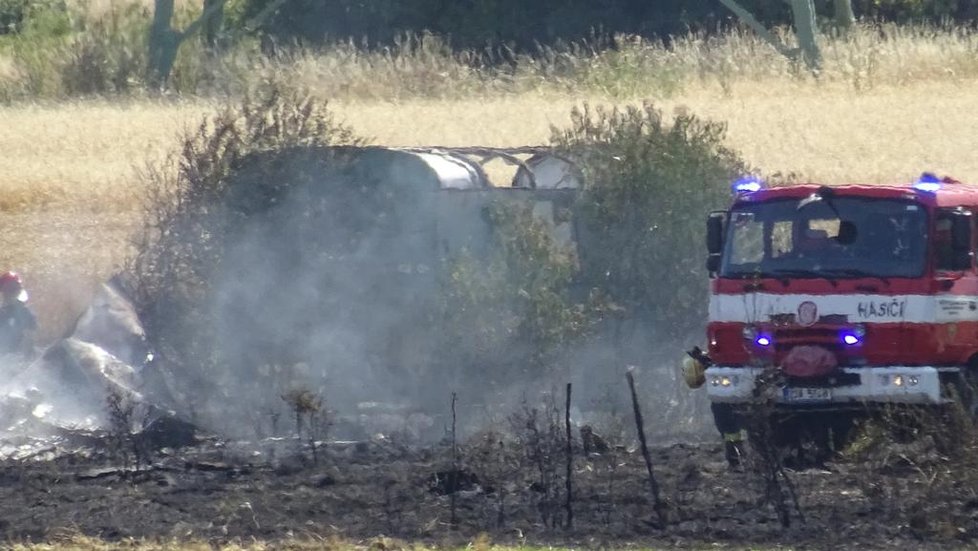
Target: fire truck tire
{"type": "Point", "coordinates": [808, 438]}
{"type": "Point", "coordinates": [967, 388]}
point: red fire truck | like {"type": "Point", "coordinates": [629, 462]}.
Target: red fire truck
{"type": "Point", "coordinates": [853, 295]}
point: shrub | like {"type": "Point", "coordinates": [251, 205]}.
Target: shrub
{"type": "Point", "coordinates": [38, 17]}
{"type": "Point", "coordinates": [188, 220]}
{"type": "Point", "coordinates": [108, 56]}
{"type": "Point", "coordinates": [650, 184]}
{"type": "Point", "coordinates": [506, 316]}
{"type": "Point", "coordinates": [11, 15]}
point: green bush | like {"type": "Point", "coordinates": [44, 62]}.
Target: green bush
{"type": "Point", "coordinates": [39, 17]}
{"type": "Point", "coordinates": [107, 56]}
{"type": "Point", "coordinates": [507, 316]}
{"type": "Point", "coordinates": [191, 215]}
{"type": "Point", "coordinates": [650, 184]}
{"type": "Point", "coordinates": [60, 53]}
{"type": "Point", "coordinates": [11, 15]}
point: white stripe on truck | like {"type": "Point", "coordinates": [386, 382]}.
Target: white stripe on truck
{"type": "Point", "coordinates": [759, 307]}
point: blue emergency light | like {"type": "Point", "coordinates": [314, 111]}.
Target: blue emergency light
{"type": "Point", "coordinates": [854, 335]}
{"type": "Point", "coordinates": [747, 184]}
{"type": "Point", "coordinates": [928, 182]}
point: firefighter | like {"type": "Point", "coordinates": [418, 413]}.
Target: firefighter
{"type": "Point", "coordinates": [17, 322]}
{"type": "Point", "coordinates": [728, 422]}
{"type": "Point", "coordinates": [725, 417]}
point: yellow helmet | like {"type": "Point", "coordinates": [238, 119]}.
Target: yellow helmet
{"type": "Point", "coordinates": [694, 372]}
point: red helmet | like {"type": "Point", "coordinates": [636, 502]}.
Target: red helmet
{"type": "Point", "coordinates": [11, 284]}
{"type": "Point", "coordinates": [10, 281]}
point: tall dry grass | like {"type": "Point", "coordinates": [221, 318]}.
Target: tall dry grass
{"type": "Point", "coordinates": [626, 67]}
{"type": "Point", "coordinates": [890, 103]}
{"type": "Point", "coordinates": [426, 66]}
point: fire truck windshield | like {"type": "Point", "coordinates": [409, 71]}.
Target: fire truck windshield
{"type": "Point", "coordinates": [843, 237]}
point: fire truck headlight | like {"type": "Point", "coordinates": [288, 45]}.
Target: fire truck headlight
{"type": "Point", "coordinates": [725, 381]}
{"type": "Point", "coordinates": [763, 340]}
{"type": "Point", "coordinates": [899, 380]}
{"type": "Point", "coordinates": [850, 339]}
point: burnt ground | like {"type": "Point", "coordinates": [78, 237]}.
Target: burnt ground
{"type": "Point", "coordinates": [223, 491]}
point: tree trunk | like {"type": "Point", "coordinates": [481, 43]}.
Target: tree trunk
{"type": "Point", "coordinates": [805, 28]}
{"type": "Point", "coordinates": [163, 43]}
{"type": "Point", "coordinates": [754, 24]}
{"type": "Point", "coordinates": [213, 22]}
{"type": "Point", "coordinates": [845, 18]}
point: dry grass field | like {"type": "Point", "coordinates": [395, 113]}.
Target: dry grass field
{"type": "Point", "coordinates": [70, 197]}
{"type": "Point", "coordinates": [829, 134]}
{"type": "Point", "coordinates": [886, 108]}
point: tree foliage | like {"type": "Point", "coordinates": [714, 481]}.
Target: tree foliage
{"type": "Point", "coordinates": [476, 23]}
{"type": "Point", "coordinates": [15, 15]}
{"type": "Point", "coordinates": [508, 315]}
{"type": "Point", "coordinates": [190, 213]}
{"type": "Point", "coordinates": [650, 184]}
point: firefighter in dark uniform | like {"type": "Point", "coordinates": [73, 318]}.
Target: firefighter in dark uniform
{"type": "Point", "coordinates": [17, 322]}
{"type": "Point", "coordinates": [725, 417]}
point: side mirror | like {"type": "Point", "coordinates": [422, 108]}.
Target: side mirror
{"type": "Point", "coordinates": [714, 232]}
{"type": "Point", "coordinates": [961, 239]}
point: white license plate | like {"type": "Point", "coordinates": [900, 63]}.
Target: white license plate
{"type": "Point", "coordinates": [801, 394]}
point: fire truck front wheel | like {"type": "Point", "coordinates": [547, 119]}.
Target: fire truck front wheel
{"type": "Point", "coordinates": [967, 387]}
{"type": "Point", "coordinates": [807, 437]}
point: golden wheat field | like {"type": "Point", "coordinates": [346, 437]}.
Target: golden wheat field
{"type": "Point", "coordinates": [71, 194]}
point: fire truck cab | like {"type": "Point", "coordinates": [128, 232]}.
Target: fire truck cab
{"type": "Point", "coordinates": [850, 295]}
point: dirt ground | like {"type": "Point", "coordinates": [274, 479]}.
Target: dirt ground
{"type": "Point", "coordinates": [274, 490]}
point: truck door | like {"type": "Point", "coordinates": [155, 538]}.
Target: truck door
{"type": "Point", "coordinates": [953, 245]}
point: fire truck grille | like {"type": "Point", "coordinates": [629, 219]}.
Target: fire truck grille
{"type": "Point", "coordinates": [786, 338]}
{"type": "Point", "coordinates": [828, 337]}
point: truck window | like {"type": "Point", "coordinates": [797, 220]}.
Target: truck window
{"type": "Point", "coordinates": [748, 239]}
{"type": "Point", "coordinates": [782, 242]}
{"type": "Point", "coordinates": [829, 226]}
{"type": "Point", "coordinates": [942, 243]}
{"type": "Point", "coordinates": [859, 237]}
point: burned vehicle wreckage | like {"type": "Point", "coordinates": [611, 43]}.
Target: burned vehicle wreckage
{"type": "Point", "coordinates": [338, 267]}
{"type": "Point", "coordinates": [64, 394]}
